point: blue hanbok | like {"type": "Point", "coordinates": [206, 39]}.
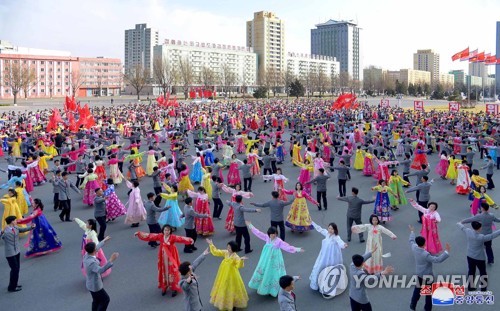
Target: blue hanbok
{"type": "Point", "coordinates": [172, 216]}
{"type": "Point", "coordinates": [196, 174]}
{"type": "Point", "coordinates": [43, 239]}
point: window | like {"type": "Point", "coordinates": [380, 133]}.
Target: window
{"type": "Point", "coordinates": [42, 62]}
{"type": "Point", "coordinates": [50, 63]}
{"type": "Point", "coordinates": [58, 90]}
{"type": "Point", "coordinates": [59, 63]}
{"type": "Point", "coordinates": [42, 83]}
{"type": "Point", "coordinates": [42, 91]}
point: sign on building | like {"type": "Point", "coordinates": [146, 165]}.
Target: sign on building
{"type": "Point", "coordinates": [418, 105]}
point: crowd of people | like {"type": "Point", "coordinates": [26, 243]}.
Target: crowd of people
{"type": "Point", "coordinates": [195, 152]}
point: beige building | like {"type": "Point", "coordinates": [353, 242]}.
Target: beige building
{"type": "Point", "coordinates": [414, 77]}
{"type": "Point", "coordinates": [266, 36]}
{"type": "Point", "coordinates": [427, 60]}
{"type": "Point", "coordinates": [372, 77]}
{"type": "Point", "coordinates": [303, 64]}
{"type": "Point", "coordinates": [447, 80]}
{"type": "Point", "coordinates": [393, 75]}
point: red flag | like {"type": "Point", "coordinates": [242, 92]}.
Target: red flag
{"type": "Point", "coordinates": [491, 60]}
{"type": "Point", "coordinates": [477, 58]}
{"type": "Point", "coordinates": [460, 54]}
{"type": "Point", "coordinates": [160, 100]}
{"type": "Point", "coordinates": [467, 57]}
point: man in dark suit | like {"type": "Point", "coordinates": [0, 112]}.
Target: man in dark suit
{"type": "Point", "coordinates": [354, 211]}
{"type": "Point", "coordinates": [286, 296]}
{"type": "Point", "coordinates": [12, 250]}
{"type": "Point", "coordinates": [100, 299]}
{"type": "Point", "coordinates": [423, 262]}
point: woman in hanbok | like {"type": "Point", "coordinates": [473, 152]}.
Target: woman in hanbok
{"type": "Point", "coordinates": [137, 159]}
{"type": "Point", "coordinates": [43, 239]}
{"type": "Point", "coordinates": [306, 169]}
{"type": "Point", "coordinates": [463, 179]}
{"type": "Point", "coordinates": [172, 216]}
{"type": "Point", "coordinates": [10, 208]}
{"type": "Point", "coordinates": [420, 157]}
{"type": "Point", "coordinates": [359, 159]}
{"type": "Point", "coordinates": [375, 263]}
{"type": "Point", "coordinates": [205, 182]}
{"type": "Point", "coordinates": [42, 162]}
{"type": "Point", "coordinates": [36, 174]}
{"type": "Point", "coordinates": [382, 171]}
{"type": "Point", "coordinates": [229, 224]}
{"type": "Point", "coordinates": [90, 235]}
{"type": "Point", "coordinates": [369, 168]}
{"type": "Point", "coordinates": [208, 155]}
{"type": "Point", "coordinates": [253, 159]}
{"type": "Point", "coordinates": [227, 154]}
{"type": "Point", "coordinates": [233, 175]}
{"type": "Point", "coordinates": [114, 171]}
{"type": "Point", "coordinates": [170, 169]}
{"type": "Point", "coordinates": [279, 183]}
{"type": "Point", "coordinates": [168, 257]}
{"type": "Point", "coordinates": [136, 211]}
{"type": "Point", "coordinates": [184, 181]}
{"type": "Point", "coordinates": [271, 266]}
{"type": "Point", "coordinates": [396, 184]}
{"type": "Point", "coordinates": [151, 161]}
{"type": "Point", "coordinates": [23, 198]}
{"type": "Point", "coordinates": [296, 156]}
{"type": "Point", "coordinates": [100, 171]}
{"type": "Point", "coordinates": [204, 226]}
{"type": "Point", "coordinates": [228, 291]}
{"type": "Point", "coordinates": [298, 218]}
{"type": "Point", "coordinates": [476, 182]}
{"type": "Point", "coordinates": [280, 152]}
{"type": "Point", "coordinates": [16, 147]}
{"type": "Point", "coordinates": [114, 207]}
{"type": "Point", "coordinates": [382, 202]}
{"type": "Point", "coordinates": [90, 183]}
{"type": "Point", "coordinates": [196, 174]}
{"type": "Point", "coordinates": [330, 253]}
{"type": "Point", "coordinates": [480, 196]}
{"type": "Point", "coordinates": [318, 163]}
{"type": "Point", "coordinates": [442, 167]}
{"type": "Point", "coordinates": [429, 230]}
{"type": "Point", "coordinates": [452, 171]}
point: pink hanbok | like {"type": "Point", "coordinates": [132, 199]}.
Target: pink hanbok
{"type": "Point", "coordinates": [318, 163]}
{"type": "Point", "coordinates": [35, 172]}
{"type": "Point", "coordinates": [233, 175]}
{"type": "Point", "coordinates": [429, 229]}
{"type": "Point", "coordinates": [136, 211]}
{"type": "Point", "coordinates": [368, 169]}
{"type": "Point", "coordinates": [382, 171]}
{"type": "Point", "coordinates": [304, 177]}
{"type": "Point", "coordinates": [442, 167]}
{"type": "Point", "coordinates": [229, 224]}
{"type": "Point", "coordinates": [279, 185]}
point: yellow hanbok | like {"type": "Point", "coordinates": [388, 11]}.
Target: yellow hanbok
{"type": "Point", "coordinates": [296, 157]}
{"type": "Point", "coordinates": [359, 160]}
{"type": "Point", "coordinates": [42, 163]}
{"type": "Point", "coordinates": [16, 148]}
{"type": "Point", "coordinates": [11, 209]}
{"type": "Point", "coordinates": [452, 172]}
{"type": "Point", "coordinates": [207, 184]}
{"type": "Point", "coordinates": [229, 290]}
{"type": "Point", "coordinates": [21, 201]}
{"type": "Point", "coordinates": [488, 199]}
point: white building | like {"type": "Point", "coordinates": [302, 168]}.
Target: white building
{"type": "Point", "coordinates": [240, 61]}
{"type": "Point", "coordinates": [139, 43]}
{"type": "Point", "coordinates": [302, 64]}
{"type": "Point", "coordinates": [339, 39]}
{"type": "Point", "coordinates": [427, 60]}
{"type": "Point", "coordinates": [7, 48]}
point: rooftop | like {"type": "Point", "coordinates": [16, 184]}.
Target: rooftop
{"type": "Point", "coordinates": [332, 22]}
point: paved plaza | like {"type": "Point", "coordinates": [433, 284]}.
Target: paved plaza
{"type": "Point", "coordinates": [55, 282]}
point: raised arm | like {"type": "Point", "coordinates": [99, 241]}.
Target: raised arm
{"type": "Point", "coordinates": [323, 231]}
{"type": "Point", "coordinates": [262, 236]}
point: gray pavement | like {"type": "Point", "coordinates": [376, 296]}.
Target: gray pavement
{"type": "Point", "coordinates": [55, 282]}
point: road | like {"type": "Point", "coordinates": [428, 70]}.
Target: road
{"type": "Point", "coordinates": [55, 281]}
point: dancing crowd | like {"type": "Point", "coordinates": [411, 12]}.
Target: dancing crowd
{"type": "Point", "coordinates": [196, 153]}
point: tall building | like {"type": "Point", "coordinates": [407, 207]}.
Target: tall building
{"type": "Point", "coordinates": [266, 36]}
{"type": "Point", "coordinates": [221, 59]}
{"type": "Point", "coordinates": [339, 39]}
{"type": "Point", "coordinates": [478, 70]}
{"type": "Point", "coordinates": [372, 77]}
{"type": "Point", "coordinates": [497, 67]}
{"type": "Point", "coordinates": [139, 43]}
{"type": "Point", "coordinates": [58, 74]}
{"type": "Point", "coordinates": [300, 65]}
{"type": "Point", "coordinates": [427, 60]}
{"type": "Point", "coordinates": [459, 78]}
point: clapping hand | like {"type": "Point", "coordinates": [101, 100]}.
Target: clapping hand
{"type": "Point", "coordinates": [106, 239]}
{"type": "Point", "coordinates": [209, 241]}
{"type": "Point", "coordinates": [206, 252]}
{"type": "Point", "coordinates": [411, 228]}
{"type": "Point", "coordinates": [114, 256]}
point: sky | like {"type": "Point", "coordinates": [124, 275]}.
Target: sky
{"type": "Point", "coordinates": [392, 30]}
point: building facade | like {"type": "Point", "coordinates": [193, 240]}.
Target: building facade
{"type": "Point", "coordinates": [339, 39]}
{"type": "Point", "coordinates": [427, 60]}
{"type": "Point", "coordinates": [300, 65]}
{"type": "Point", "coordinates": [447, 80]}
{"type": "Point", "coordinates": [458, 78]}
{"type": "Point", "coordinates": [372, 77]}
{"type": "Point", "coordinates": [266, 36]}
{"type": "Point", "coordinates": [139, 44]}
{"type": "Point", "coordinates": [221, 59]}
{"type": "Point", "coordinates": [414, 77]}
{"type": "Point", "coordinates": [59, 74]}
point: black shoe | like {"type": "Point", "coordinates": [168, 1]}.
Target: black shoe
{"type": "Point", "coordinates": [413, 307]}
{"type": "Point", "coordinates": [20, 286]}
{"type": "Point", "coordinates": [419, 221]}
{"type": "Point", "coordinates": [62, 219]}
{"type": "Point", "coordinates": [134, 225]}
{"type": "Point", "coordinates": [194, 248]}
{"type": "Point", "coordinates": [362, 241]}
{"type": "Point", "coordinates": [174, 293]}
{"type": "Point", "coordinates": [69, 220]}
{"type": "Point", "coordinates": [15, 290]}
{"type": "Point", "coordinates": [249, 251]}
{"type": "Point", "coordinates": [348, 240]}
{"type": "Point", "coordinates": [238, 250]}
{"type": "Point", "coordinates": [163, 293]}
{"type": "Point", "coordinates": [188, 251]}
{"type": "Point", "coordinates": [326, 208]}
{"type": "Point", "coordinates": [319, 208]}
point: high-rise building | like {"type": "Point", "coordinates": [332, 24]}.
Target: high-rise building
{"type": "Point", "coordinates": [427, 60]}
{"type": "Point", "coordinates": [497, 67]}
{"type": "Point", "coordinates": [266, 36]}
{"type": "Point", "coordinates": [478, 70]}
{"type": "Point", "coordinates": [372, 77]}
{"type": "Point", "coordinates": [301, 65]}
{"type": "Point", "coordinates": [459, 78]}
{"type": "Point", "coordinates": [339, 39]}
{"type": "Point", "coordinates": [139, 43]}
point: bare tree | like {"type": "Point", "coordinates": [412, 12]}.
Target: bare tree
{"type": "Point", "coordinates": [186, 75]}
{"type": "Point", "coordinates": [227, 78]}
{"type": "Point", "coordinates": [344, 80]}
{"type": "Point", "coordinates": [100, 81]}
{"type": "Point", "coordinates": [207, 77]}
{"type": "Point", "coordinates": [163, 74]}
{"type": "Point", "coordinates": [307, 80]}
{"type": "Point", "coordinates": [14, 77]}
{"type": "Point", "coordinates": [274, 78]}
{"type": "Point", "coordinates": [334, 82]}
{"type": "Point", "coordinates": [30, 80]}
{"type": "Point", "coordinates": [76, 82]}
{"type": "Point", "coordinates": [288, 78]}
{"type": "Point", "coordinates": [137, 77]}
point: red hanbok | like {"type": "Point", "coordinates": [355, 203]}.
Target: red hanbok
{"type": "Point", "coordinates": [168, 259]}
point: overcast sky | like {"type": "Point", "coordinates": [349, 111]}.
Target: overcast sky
{"type": "Point", "coordinates": [392, 29]}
